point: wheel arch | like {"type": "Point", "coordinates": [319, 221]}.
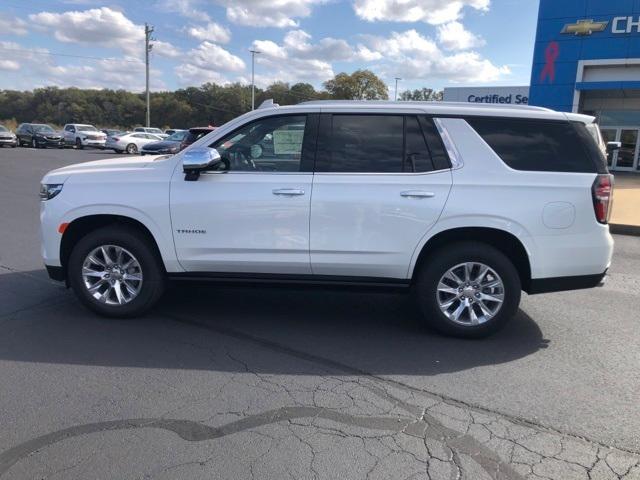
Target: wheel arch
{"type": "Point", "coordinates": [504, 241]}
{"type": "Point", "coordinates": [84, 225]}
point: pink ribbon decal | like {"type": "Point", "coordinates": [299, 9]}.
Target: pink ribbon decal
{"type": "Point", "coordinates": [550, 56]}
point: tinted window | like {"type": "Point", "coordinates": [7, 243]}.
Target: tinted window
{"type": "Point", "coordinates": [535, 145]}
{"type": "Point", "coordinates": [3, 128]}
{"type": "Point", "coordinates": [272, 144]}
{"type": "Point", "coordinates": [439, 155]}
{"type": "Point", "coordinates": [417, 157]}
{"type": "Point", "coordinates": [365, 143]}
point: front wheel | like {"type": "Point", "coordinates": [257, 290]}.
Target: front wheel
{"type": "Point", "coordinates": [79, 145]}
{"type": "Point", "coordinates": [468, 289]}
{"type": "Point", "coordinates": [115, 273]}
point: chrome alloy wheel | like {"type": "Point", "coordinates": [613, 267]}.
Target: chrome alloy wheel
{"type": "Point", "coordinates": [112, 275]}
{"type": "Point", "coordinates": [470, 293]}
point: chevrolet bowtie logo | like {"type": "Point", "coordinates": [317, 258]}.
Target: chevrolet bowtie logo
{"type": "Point", "coordinates": [584, 27]}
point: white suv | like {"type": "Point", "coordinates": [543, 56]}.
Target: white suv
{"type": "Point", "coordinates": [464, 205]}
{"type": "Point", "coordinates": [81, 135]}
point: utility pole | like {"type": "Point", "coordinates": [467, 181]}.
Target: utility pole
{"type": "Point", "coordinates": [147, 49]}
{"type": "Point", "coordinates": [396, 91]}
{"type": "Point", "coordinates": [253, 83]}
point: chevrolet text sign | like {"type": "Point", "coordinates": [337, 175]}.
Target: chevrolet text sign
{"type": "Point", "coordinates": [496, 95]}
{"type": "Point", "coordinates": [619, 25]}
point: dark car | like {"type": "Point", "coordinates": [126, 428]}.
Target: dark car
{"type": "Point", "coordinates": [194, 134]}
{"type": "Point", "coordinates": [169, 145]}
{"type": "Point", "coordinates": [39, 135]}
{"type": "Point", "coordinates": [7, 137]}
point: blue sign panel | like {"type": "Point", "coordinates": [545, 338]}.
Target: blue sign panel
{"type": "Point", "coordinates": [573, 30]}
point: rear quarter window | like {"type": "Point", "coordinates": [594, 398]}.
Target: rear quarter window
{"type": "Point", "coordinates": [538, 145]}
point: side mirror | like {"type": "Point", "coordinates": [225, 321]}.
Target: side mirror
{"type": "Point", "coordinates": [198, 160]}
{"type": "Point", "coordinates": [613, 146]}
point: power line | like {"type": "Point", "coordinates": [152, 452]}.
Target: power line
{"type": "Point", "coordinates": [36, 52]}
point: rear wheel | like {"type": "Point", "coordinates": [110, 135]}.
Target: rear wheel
{"type": "Point", "coordinates": [468, 289]}
{"type": "Point", "coordinates": [132, 148]}
{"type": "Point", "coordinates": [115, 273]}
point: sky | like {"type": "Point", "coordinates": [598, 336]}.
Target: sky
{"type": "Point", "coordinates": [427, 43]}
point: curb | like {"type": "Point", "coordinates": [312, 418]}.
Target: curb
{"type": "Point", "coordinates": [619, 229]}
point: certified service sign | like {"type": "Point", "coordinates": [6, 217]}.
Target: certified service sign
{"type": "Point", "coordinates": [495, 95]}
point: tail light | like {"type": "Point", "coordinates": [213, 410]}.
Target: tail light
{"type": "Point", "coordinates": [115, 139]}
{"type": "Point", "coordinates": [602, 193]}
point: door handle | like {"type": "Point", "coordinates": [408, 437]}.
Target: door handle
{"type": "Point", "coordinates": [288, 191]}
{"type": "Point", "coordinates": [417, 194]}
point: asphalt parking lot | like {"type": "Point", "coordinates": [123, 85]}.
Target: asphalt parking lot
{"type": "Point", "coordinates": [239, 382]}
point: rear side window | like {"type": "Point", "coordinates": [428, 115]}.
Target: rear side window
{"type": "Point", "coordinates": [535, 145]}
{"type": "Point", "coordinates": [366, 143]}
{"type": "Point", "coordinates": [374, 143]}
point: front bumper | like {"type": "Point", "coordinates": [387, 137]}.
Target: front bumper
{"type": "Point", "coordinates": [93, 143]}
{"type": "Point", "coordinates": [9, 141]}
{"type": "Point", "coordinates": [47, 142]}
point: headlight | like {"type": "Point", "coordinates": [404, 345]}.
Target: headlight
{"type": "Point", "coordinates": [49, 190]}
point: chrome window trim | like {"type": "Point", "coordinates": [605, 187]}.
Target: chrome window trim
{"type": "Point", "coordinates": [450, 147]}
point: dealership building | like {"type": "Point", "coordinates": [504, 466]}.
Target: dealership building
{"type": "Point", "coordinates": [587, 60]}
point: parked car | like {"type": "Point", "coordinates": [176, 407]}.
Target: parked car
{"type": "Point", "coordinates": [171, 131]}
{"type": "Point", "coordinates": [111, 132]}
{"type": "Point", "coordinates": [39, 135]}
{"type": "Point", "coordinates": [151, 130]}
{"type": "Point", "coordinates": [81, 135]}
{"type": "Point", "coordinates": [7, 137]}
{"type": "Point", "coordinates": [194, 134]}
{"type": "Point", "coordinates": [463, 205]}
{"type": "Point", "coordinates": [169, 145]}
{"type": "Point", "coordinates": [130, 142]}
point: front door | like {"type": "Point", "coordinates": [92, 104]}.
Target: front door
{"type": "Point", "coordinates": [381, 183]}
{"type": "Point", "coordinates": [252, 216]}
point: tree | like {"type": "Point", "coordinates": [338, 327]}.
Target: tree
{"type": "Point", "coordinates": [422, 95]}
{"type": "Point", "coordinates": [360, 85]}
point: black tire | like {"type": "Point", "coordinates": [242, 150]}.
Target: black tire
{"type": "Point", "coordinates": [435, 266]}
{"type": "Point", "coordinates": [153, 274]}
{"type": "Point", "coordinates": [79, 145]}
{"type": "Point", "coordinates": [132, 149]}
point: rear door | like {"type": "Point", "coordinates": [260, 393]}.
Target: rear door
{"type": "Point", "coordinates": [380, 183]}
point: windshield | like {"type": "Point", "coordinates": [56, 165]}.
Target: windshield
{"type": "Point", "coordinates": [86, 128]}
{"type": "Point", "coordinates": [177, 136]}
{"type": "Point", "coordinates": [154, 130]}
{"type": "Point", "coordinates": [42, 128]}
{"type": "Point", "coordinates": [3, 128]}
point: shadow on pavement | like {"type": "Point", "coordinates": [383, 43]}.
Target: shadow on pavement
{"type": "Point", "coordinates": [373, 332]}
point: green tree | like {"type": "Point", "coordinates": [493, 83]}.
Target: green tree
{"type": "Point", "coordinates": [360, 85]}
{"type": "Point", "coordinates": [422, 95]}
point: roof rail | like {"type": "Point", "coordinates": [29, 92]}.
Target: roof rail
{"type": "Point", "coordinates": [430, 103]}
{"type": "Point", "coordinates": [268, 104]}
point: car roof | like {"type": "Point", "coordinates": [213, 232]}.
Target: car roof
{"type": "Point", "coordinates": [432, 108]}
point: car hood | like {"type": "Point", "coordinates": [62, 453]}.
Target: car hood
{"type": "Point", "coordinates": [50, 134]}
{"type": "Point", "coordinates": [160, 145]}
{"type": "Point", "coordinates": [111, 165]}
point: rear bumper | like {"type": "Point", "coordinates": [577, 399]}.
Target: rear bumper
{"type": "Point", "coordinates": [559, 284]}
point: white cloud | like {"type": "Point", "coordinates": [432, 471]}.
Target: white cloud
{"type": "Point", "coordinates": [412, 56]}
{"type": "Point", "coordinates": [99, 26]}
{"type": "Point", "coordinates": [208, 63]}
{"type": "Point", "coordinates": [267, 13]}
{"type": "Point", "coordinates": [212, 32]}
{"type": "Point", "coordinates": [192, 9]}
{"type": "Point", "coordinates": [434, 12]}
{"type": "Point", "coordinates": [12, 26]}
{"type": "Point", "coordinates": [297, 59]}
{"type": "Point", "coordinates": [453, 36]}
{"type": "Point", "coordinates": [37, 68]}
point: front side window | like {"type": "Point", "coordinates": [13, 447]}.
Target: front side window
{"type": "Point", "coordinates": [272, 144]}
